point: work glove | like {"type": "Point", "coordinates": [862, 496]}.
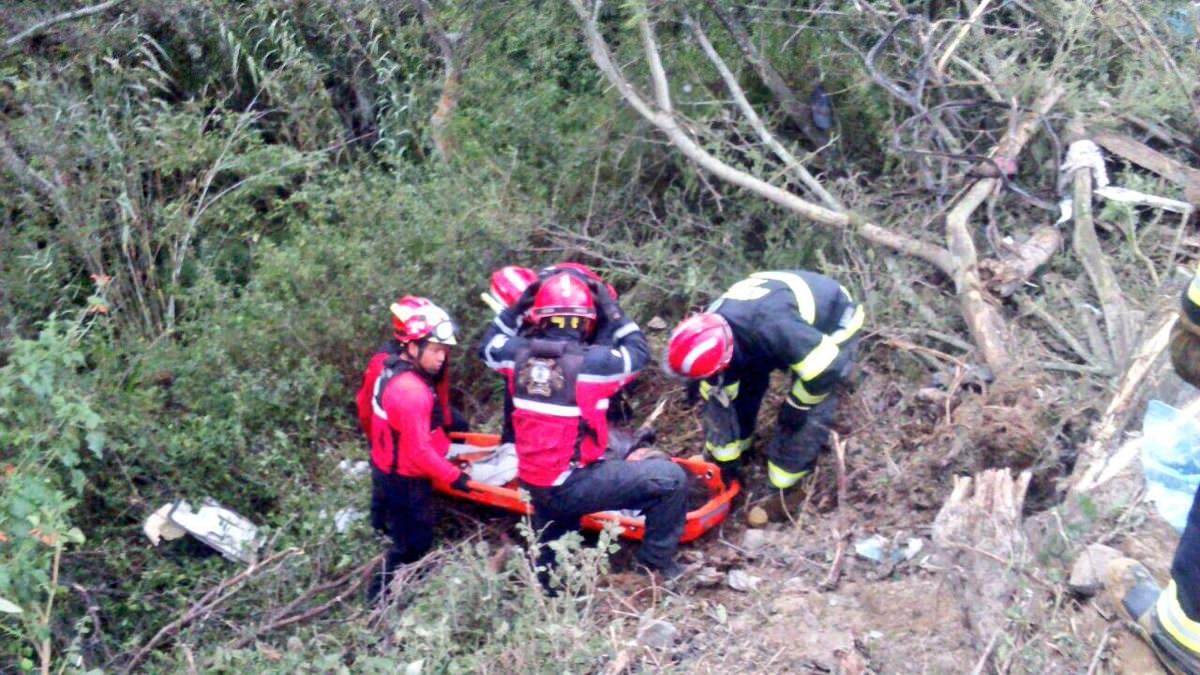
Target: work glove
{"type": "Point", "coordinates": [460, 483]}
{"type": "Point", "coordinates": [604, 300]}
{"type": "Point", "coordinates": [524, 302]}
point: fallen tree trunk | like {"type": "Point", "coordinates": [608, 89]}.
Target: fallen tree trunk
{"type": "Point", "coordinates": [1104, 281]}
{"type": "Point", "coordinates": [1099, 460]}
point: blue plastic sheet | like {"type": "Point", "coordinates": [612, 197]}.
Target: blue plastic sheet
{"type": "Point", "coordinates": [1171, 460]}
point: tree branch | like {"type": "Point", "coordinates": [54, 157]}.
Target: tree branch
{"type": "Point", "coordinates": [57, 19]}
{"type": "Point", "coordinates": [682, 140]}
{"type": "Point", "coordinates": [797, 111]}
{"type": "Point", "coordinates": [748, 112]}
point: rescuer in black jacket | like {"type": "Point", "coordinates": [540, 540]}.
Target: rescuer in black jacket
{"type": "Point", "coordinates": [797, 321]}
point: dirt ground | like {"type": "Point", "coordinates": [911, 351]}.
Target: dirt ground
{"type": "Point", "coordinates": [902, 616]}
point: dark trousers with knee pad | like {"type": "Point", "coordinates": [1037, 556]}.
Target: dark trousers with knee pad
{"type": "Point", "coordinates": [656, 487]}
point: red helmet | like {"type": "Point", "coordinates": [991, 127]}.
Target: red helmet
{"type": "Point", "coordinates": [701, 345]}
{"type": "Point", "coordinates": [581, 269]}
{"type": "Point", "coordinates": [508, 283]}
{"type": "Point", "coordinates": [416, 318]}
{"type": "Point", "coordinates": [563, 294]}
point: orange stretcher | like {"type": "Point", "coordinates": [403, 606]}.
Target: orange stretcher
{"type": "Point", "coordinates": [507, 497]}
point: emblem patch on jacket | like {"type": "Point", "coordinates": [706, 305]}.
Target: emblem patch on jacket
{"type": "Point", "coordinates": [540, 377]}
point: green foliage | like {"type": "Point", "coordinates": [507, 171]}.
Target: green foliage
{"type": "Point", "coordinates": [48, 424]}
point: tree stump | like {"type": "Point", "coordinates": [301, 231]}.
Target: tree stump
{"type": "Point", "coordinates": [982, 544]}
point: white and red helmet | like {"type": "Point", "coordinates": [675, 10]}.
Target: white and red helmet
{"type": "Point", "coordinates": [563, 294]}
{"type": "Point", "coordinates": [415, 318]}
{"type": "Point", "coordinates": [700, 346]}
{"type": "Point", "coordinates": [581, 269]}
{"type": "Point", "coordinates": [507, 285]}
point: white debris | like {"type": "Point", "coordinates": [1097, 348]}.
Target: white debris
{"type": "Point", "coordinates": [343, 519]}
{"type": "Point", "coordinates": [231, 534]}
{"type": "Point", "coordinates": [158, 528]}
{"type": "Point", "coordinates": [354, 469]}
{"type": "Point", "coordinates": [740, 580]}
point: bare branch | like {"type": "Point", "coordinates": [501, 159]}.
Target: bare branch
{"type": "Point", "coordinates": [798, 111]}
{"type": "Point", "coordinates": [658, 76]}
{"type": "Point", "coordinates": [767, 138]}
{"type": "Point", "coordinates": [984, 319]}
{"type": "Point", "coordinates": [682, 140]}
{"type": "Point", "coordinates": [57, 19]}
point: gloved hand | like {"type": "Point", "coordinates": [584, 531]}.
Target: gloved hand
{"type": "Point", "coordinates": [460, 483]}
{"type": "Point", "coordinates": [604, 300]}
{"type": "Point", "coordinates": [524, 302]}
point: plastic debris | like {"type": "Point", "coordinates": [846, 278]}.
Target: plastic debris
{"type": "Point", "coordinates": [878, 549]}
{"type": "Point", "coordinates": [158, 528]}
{"type": "Point", "coordinates": [233, 536]}
{"type": "Point", "coordinates": [871, 548]}
{"type": "Point", "coordinates": [1085, 154]}
{"type": "Point", "coordinates": [1171, 460]}
{"type": "Point", "coordinates": [740, 580]}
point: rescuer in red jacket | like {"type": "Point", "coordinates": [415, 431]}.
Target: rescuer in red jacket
{"type": "Point", "coordinates": [561, 386]}
{"type": "Point", "coordinates": [408, 439]}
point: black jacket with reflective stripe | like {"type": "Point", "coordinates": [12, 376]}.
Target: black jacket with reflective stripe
{"type": "Point", "coordinates": [769, 318]}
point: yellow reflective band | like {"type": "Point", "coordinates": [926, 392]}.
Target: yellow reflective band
{"type": "Point", "coordinates": [1193, 294]}
{"type": "Point", "coordinates": [817, 360]}
{"type": "Point", "coordinates": [803, 397]}
{"type": "Point", "coordinates": [805, 303]}
{"type": "Point", "coordinates": [725, 394]}
{"type": "Point", "coordinates": [783, 479]}
{"type": "Point", "coordinates": [495, 304]}
{"type": "Point", "coordinates": [729, 451]}
{"type": "Point", "coordinates": [856, 322]}
{"type": "Point", "coordinates": [1185, 631]}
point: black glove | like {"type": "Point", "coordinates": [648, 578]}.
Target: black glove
{"type": "Point", "coordinates": [524, 302]}
{"type": "Point", "coordinates": [604, 300]}
{"type": "Point", "coordinates": [460, 483]}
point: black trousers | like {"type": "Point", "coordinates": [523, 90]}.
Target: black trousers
{"type": "Point", "coordinates": [1185, 568]}
{"type": "Point", "coordinates": [656, 487]}
{"type": "Point", "coordinates": [402, 508]}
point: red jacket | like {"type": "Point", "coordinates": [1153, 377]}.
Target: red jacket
{"type": "Point", "coordinates": [560, 392]}
{"type": "Point", "coordinates": [404, 438]}
{"type": "Point", "coordinates": [375, 368]}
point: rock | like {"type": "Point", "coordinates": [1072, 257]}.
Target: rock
{"type": "Point", "coordinates": [1087, 575]}
{"type": "Point", "coordinates": [657, 634]}
{"type": "Point", "coordinates": [753, 539]}
{"type": "Point", "coordinates": [656, 323]}
{"type": "Point", "coordinates": [740, 580]}
{"type": "Point", "coordinates": [757, 517]}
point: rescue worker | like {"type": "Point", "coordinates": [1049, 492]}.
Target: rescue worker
{"type": "Point", "coordinates": [801, 322]}
{"type": "Point", "coordinates": [408, 441]}
{"type": "Point", "coordinates": [1169, 620]}
{"type": "Point", "coordinates": [560, 388]}
{"type": "Point", "coordinates": [505, 288]}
